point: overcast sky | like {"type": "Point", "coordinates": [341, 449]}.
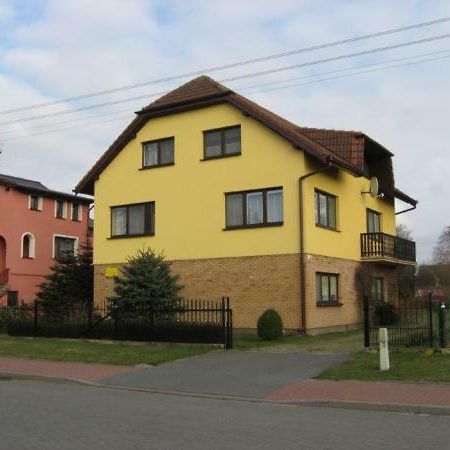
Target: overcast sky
{"type": "Point", "coordinates": [53, 49]}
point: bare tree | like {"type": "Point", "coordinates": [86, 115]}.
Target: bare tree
{"type": "Point", "coordinates": [441, 251]}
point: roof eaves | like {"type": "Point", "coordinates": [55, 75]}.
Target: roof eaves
{"type": "Point", "coordinates": [405, 197]}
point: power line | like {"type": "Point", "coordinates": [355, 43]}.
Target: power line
{"type": "Point", "coordinates": [240, 77]}
{"type": "Point", "coordinates": [251, 93]}
{"type": "Point", "coordinates": [315, 75]}
{"type": "Point", "coordinates": [233, 65]}
{"type": "Point", "coordinates": [352, 74]}
{"type": "Point", "coordinates": [340, 57]}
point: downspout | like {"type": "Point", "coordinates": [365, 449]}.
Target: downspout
{"type": "Point", "coordinates": [302, 243]}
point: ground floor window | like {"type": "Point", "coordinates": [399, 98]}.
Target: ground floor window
{"type": "Point", "coordinates": [377, 289]}
{"type": "Point", "coordinates": [327, 288]}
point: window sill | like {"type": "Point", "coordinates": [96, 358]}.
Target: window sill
{"type": "Point", "coordinates": [28, 257]}
{"type": "Point", "coordinates": [260, 225]}
{"type": "Point", "coordinates": [128, 236]}
{"type": "Point", "coordinates": [328, 304]}
{"type": "Point", "coordinates": [207, 158]}
{"type": "Point", "coordinates": [61, 218]}
{"type": "Point", "coordinates": [318, 225]}
{"type": "Point", "coordinates": [157, 166]}
{"type": "Point", "coordinates": [34, 209]}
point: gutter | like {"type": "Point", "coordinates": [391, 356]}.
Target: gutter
{"type": "Point", "coordinates": [302, 242]}
{"type": "Point", "coordinates": [406, 210]}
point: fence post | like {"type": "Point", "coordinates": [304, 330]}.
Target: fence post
{"type": "Point", "coordinates": [430, 318]}
{"type": "Point", "coordinates": [366, 322]}
{"type": "Point", "coordinates": [443, 335]}
{"type": "Point", "coordinates": [229, 325]}
{"type": "Point", "coordinates": [35, 316]}
{"type": "Point", "coordinates": [90, 312]}
{"type": "Point", "coordinates": [223, 323]}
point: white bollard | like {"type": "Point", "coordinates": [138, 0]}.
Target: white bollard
{"type": "Point", "coordinates": [384, 349]}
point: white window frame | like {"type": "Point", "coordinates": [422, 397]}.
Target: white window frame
{"type": "Point", "coordinates": [39, 208]}
{"type": "Point", "coordinates": [32, 254]}
{"type": "Point", "coordinates": [64, 209]}
{"type": "Point", "coordinates": [75, 247]}
{"type": "Point", "coordinates": [80, 211]}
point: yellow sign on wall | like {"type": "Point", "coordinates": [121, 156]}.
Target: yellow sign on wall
{"type": "Point", "coordinates": [111, 272]}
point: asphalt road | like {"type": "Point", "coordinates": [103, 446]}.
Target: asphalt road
{"type": "Point", "coordinates": [40, 415]}
{"type": "Point", "coordinates": [246, 374]}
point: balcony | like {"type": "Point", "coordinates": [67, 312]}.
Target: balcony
{"type": "Point", "coordinates": [384, 247]}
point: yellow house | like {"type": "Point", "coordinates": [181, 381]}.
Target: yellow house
{"type": "Point", "coordinates": [251, 206]}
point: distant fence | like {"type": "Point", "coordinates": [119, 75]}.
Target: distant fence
{"type": "Point", "coordinates": [190, 321]}
{"type": "Point", "coordinates": [415, 322]}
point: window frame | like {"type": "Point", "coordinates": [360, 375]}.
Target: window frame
{"type": "Point", "coordinates": [320, 301]}
{"type": "Point", "coordinates": [148, 221]}
{"type": "Point", "coordinates": [64, 209]}
{"type": "Point", "coordinates": [328, 196]}
{"type": "Point", "coordinates": [63, 236]}
{"type": "Point", "coordinates": [375, 281]}
{"type": "Point", "coordinates": [31, 246]}
{"type": "Point", "coordinates": [265, 223]}
{"type": "Point", "coordinates": [80, 212]}
{"type": "Point", "coordinates": [158, 142]}
{"type": "Point", "coordinates": [223, 130]}
{"type": "Point", "coordinates": [369, 212]}
{"type": "Point", "coordinates": [39, 202]}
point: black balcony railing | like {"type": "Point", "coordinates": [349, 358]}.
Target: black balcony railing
{"type": "Point", "coordinates": [386, 246]}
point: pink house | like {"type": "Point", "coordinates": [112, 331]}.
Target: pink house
{"type": "Point", "coordinates": [36, 226]}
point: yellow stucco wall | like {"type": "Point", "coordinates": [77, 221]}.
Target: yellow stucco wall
{"type": "Point", "coordinates": [190, 201]}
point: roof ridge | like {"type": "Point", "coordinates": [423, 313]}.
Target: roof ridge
{"type": "Point", "coordinates": [330, 130]}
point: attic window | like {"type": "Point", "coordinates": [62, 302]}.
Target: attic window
{"type": "Point", "coordinates": [158, 153]}
{"type": "Point", "coordinates": [222, 142]}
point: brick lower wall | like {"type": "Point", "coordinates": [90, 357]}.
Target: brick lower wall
{"type": "Point", "coordinates": [256, 283]}
{"type": "Point", "coordinates": [253, 284]}
{"type": "Point", "coordinates": [349, 315]}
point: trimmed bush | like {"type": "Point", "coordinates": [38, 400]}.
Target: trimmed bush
{"type": "Point", "coordinates": [386, 314]}
{"type": "Point", "coordinates": [270, 325]}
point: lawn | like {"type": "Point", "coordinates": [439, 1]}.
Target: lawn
{"type": "Point", "coordinates": [338, 342]}
{"type": "Point", "coordinates": [120, 353]}
{"type": "Point", "coordinates": [405, 366]}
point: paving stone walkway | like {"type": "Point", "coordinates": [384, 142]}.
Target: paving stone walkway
{"type": "Point", "coordinates": [366, 391]}
{"type": "Point", "coordinates": [70, 370]}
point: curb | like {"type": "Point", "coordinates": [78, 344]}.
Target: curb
{"type": "Point", "coordinates": [342, 404]}
{"type": "Point", "coordinates": [368, 406]}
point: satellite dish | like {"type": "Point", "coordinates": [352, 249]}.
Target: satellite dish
{"type": "Point", "coordinates": [374, 186]}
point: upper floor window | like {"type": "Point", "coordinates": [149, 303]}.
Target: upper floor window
{"type": "Point", "coordinates": [158, 153]}
{"type": "Point", "coordinates": [64, 246]}
{"type": "Point", "coordinates": [133, 220]}
{"type": "Point", "coordinates": [76, 212]}
{"type": "Point", "coordinates": [326, 288]}
{"type": "Point", "coordinates": [35, 202]}
{"type": "Point", "coordinates": [325, 205]}
{"type": "Point", "coordinates": [373, 221]}
{"type": "Point", "coordinates": [60, 209]}
{"type": "Point", "coordinates": [254, 208]}
{"type": "Point", "coordinates": [222, 142]}
{"type": "Point", "coordinates": [28, 246]}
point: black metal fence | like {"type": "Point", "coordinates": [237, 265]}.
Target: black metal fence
{"type": "Point", "coordinates": [193, 321]}
{"type": "Point", "coordinates": [419, 321]}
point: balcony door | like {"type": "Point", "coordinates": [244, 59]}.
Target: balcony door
{"type": "Point", "coordinates": [373, 221]}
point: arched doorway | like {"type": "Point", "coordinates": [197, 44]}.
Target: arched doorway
{"type": "Point", "coordinates": [2, 254]}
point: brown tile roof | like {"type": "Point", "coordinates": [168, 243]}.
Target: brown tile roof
{"type": "Point", "coordinates": [201, 88]}
{"type": "Point", "coordinates": [344, 148]}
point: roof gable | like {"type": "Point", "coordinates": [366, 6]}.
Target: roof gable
{"type": "Point", "coordinates": [343, 148]}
